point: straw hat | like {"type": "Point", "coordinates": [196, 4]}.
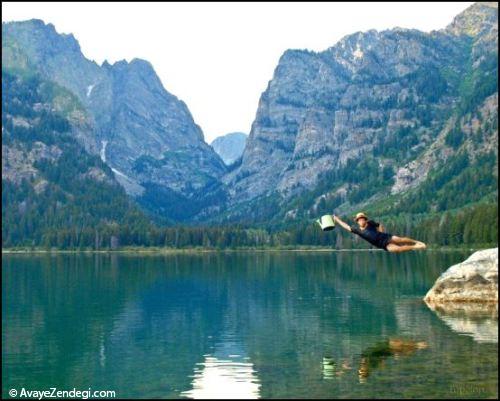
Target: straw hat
{"type": "Point", "coordinates": [361, 215]}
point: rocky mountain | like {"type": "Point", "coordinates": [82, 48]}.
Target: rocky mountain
{"type": "Point", "coordinates": [53, 191]}
{"type": "Point", "coordinates": [230, 146]}
{"type": "Point", "coordinates": [375, 114]}
{"type": "Point", "coordinates": [398, 123]}
{"type": "Point", "coordinates": [145, 134]}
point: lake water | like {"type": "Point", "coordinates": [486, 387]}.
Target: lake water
{"type": "Point", "coordinates": [241, 324]}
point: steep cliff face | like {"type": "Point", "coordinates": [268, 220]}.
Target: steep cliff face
{"type": "Point", "coordinates": [51, 186]}
{"type": "Point", "coordinates": [230, 146]}
{"type": "Point", "coordinates": [321, 109]}
{"type": "Point", "coordinates": [149, 135]}
{"type": "Point", "coordinates": [144, 133]}
{"type": "Point", "coordinates": [384, 96]}
{"type": "Point", "coordinates": [477, 94]}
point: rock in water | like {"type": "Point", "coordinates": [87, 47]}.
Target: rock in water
{"type": "Point", "coordinates": [473, 280]}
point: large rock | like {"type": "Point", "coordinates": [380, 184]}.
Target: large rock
{"type": "Point", "coordinates": [474, 280]}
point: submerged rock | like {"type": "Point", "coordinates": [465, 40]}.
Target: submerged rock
{"type": "Point", "coordinates": [474, 280]}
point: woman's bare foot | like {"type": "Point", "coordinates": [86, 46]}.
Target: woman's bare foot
{"type": "Point", "coordinates": [420, 245]}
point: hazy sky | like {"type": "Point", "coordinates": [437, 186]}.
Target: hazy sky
{"type": "Point", "coordinates": [219, 57]}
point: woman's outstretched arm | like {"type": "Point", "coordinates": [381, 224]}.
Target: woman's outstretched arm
{"type": "Point", "coordinates": [341, 223]}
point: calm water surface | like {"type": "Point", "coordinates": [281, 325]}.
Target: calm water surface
{"type": "Point", "coordinates": [241, 324]}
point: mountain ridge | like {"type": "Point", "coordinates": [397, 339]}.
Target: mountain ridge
{"type": "Point", "coordinates": [368, 96]}
{"type": "Point", "coordinates": [148, 135]}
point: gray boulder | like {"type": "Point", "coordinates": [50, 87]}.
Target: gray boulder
{"type": "Point", "coordinates": [474, 280]}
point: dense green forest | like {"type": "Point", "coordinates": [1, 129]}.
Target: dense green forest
{"type": "Point", "coordinates": [476, 225]}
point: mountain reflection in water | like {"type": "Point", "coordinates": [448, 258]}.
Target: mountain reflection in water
{"type": "Point", "coordinates": [238, 325]}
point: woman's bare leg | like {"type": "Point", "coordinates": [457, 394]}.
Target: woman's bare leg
{"type": "Point", "coordinates": [391, 247]}
{"type": "Point", "coordinates": [403, 240]}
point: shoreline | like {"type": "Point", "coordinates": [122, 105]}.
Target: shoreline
{"type": "Point", "coordinates": [154, 250]}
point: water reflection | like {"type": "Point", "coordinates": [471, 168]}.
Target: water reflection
{"type": "Point", "coordinates": [371, 358]}
{"type": "Point", "coordinates": [263, 325]}
{"type": "Point", "coordinates": [228, 378]}
{"type": "Point", "coordinates": [332, 368]}
{"type": "Point", "coordinates": [375, 356]}
{"type": "Point", "coordinates": [227, 372]}
{"type": "Point", "coordinates": [477, 320]}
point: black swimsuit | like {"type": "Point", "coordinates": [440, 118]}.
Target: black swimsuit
{"type": "Point", "coordinates": [374, 237]}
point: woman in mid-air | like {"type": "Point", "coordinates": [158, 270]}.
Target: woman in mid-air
{"type": "Point", "coordinates": [375, 235]}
